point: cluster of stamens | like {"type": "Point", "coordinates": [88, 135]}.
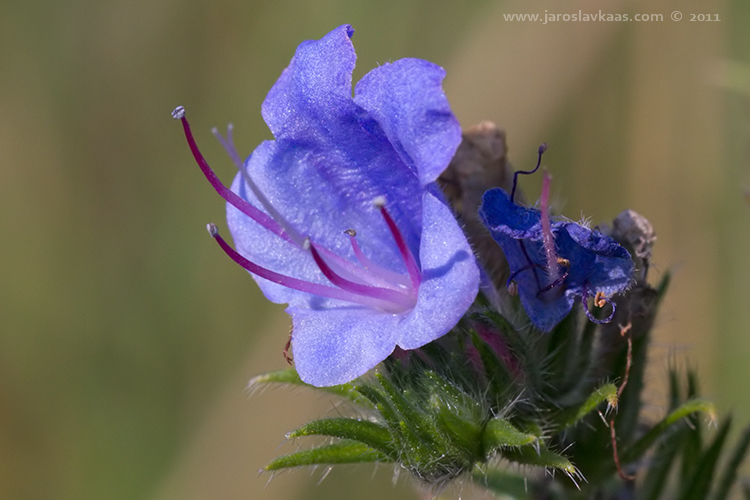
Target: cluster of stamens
{"type": "Point", "coordinates": [364, 282]}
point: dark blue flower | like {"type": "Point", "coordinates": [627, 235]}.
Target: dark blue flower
{"type": "Point", "coordinates": [339, 216]}
{"type": "Point", "coordinates": [586, 263]}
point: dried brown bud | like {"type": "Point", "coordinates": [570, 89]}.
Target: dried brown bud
{"type": "Point", "coordinates": [479, 164]}
{"type": "Point", "coordinates": [636, 233]}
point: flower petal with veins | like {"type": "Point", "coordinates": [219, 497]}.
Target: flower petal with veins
{"type": "Point", "coordinates": [333, 154]}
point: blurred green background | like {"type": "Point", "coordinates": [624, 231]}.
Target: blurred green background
{"type": "Point", "coordinates": [127, 338]}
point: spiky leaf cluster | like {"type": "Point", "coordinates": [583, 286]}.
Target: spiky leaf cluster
{"type": "Point", "coordinates": [488, 396]}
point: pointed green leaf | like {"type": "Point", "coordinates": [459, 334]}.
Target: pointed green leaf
{"type": "Point", "coordinates": [661, 288]}
{"type": "Point", "coordinates": [287, 376]}
{"type": "Point", "coordinates": [698, 487]}
{"type": "Point", "coordinates": [345, 452]}
{"type": "Point", "coordinates": [661, 463]}
{"type": "Point", "coordinates": [640, 447]}
{"type": "Point", "coordinates": [384, 408]}
{"type": "Point", "coordinates": [529, 455]}
{"type": "Point", "coordinates": [439, 385]}
{"type": "Point", "coordinates": [462, 433]}
{"type": "Point", "coordinates": [607, 392]}
{"type": "Point", "coordinates": [647, 301]}
{"type": "Point", "coordinates": [457, 415]}
{"type": "Point", "coordinates": [693, 444]}
{"type": "Point", "coordinates": [629, 407]}
{"type": "Point", "coordinates": [499, 433]}
{"type": "Point", "coordinates": [585, 346]}
{"type": "Point", "coordinates": [290, 376]}
{"type": "Point", "coordinates": [373, 435]}
{"type": "Point", "coordinates": [729, 476]}
{"type": "Point", "coordinates": [415, 420]}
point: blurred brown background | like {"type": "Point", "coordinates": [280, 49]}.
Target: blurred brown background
{"type": "Point", "coordinates": [126, 337]}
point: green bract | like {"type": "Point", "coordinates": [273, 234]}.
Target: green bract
{"type": "Point", "coordinates": [461, 406]}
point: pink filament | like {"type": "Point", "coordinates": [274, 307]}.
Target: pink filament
{"type": "Point", "coordinates": [356, 288]}
{"type": "Point", "coordinates": [228, 144]}
{"type": "Point", "coordinates": [374, 273]}
{"type": "Point", "coordinates": [294, 283]}
{"type": "Point", "coordinates": [548, 238]}
{"type": "Point", "coordinates": [392, 295]}
{"type": "Point", "coordinates": [274, 222]}
{"type": "Point", "coordinates": [411, 263]}
{"type": "Point", "coordinates": [240, 204]}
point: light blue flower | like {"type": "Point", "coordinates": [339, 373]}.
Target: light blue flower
{"type": "Point", "coordinates": [339, 216]}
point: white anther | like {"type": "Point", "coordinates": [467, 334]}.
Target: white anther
{"type": "Point", "coordinates": [178, 113]}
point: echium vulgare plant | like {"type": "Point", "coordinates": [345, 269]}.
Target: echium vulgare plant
{"type": "Point", "coordinates": [508, 344]}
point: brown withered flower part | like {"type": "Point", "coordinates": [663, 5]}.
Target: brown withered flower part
{"type": "Point", "coordinates": [480, 163]}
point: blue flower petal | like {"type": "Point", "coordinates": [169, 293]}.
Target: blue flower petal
{"type": "Point", "coordinates": [301, 186]}
{"type": "Point", "coordinates": [332, 156]}
{"type": "Point", "coordinates": [316, 87]}
{"type": "Point", "coordinates": [597, 262]}
{"type": "Point", "coordinates": [336, 345]}
{"type": "Point", "coordinates": [500, 214]}
{"type": "Point", "coordinates": [451, 277]}
{"type": "Point", "coordinates": [340, 342]}
{"type": "Point", "coordinates": [407, 100]}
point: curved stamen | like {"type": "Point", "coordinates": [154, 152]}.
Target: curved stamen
{"type": "Point", "coordinates": [559, 281]}
{"type": "Point", "coordinates": [384, 294]}
{"type": "Point", "coordinates": [548, 239]}
{"type": "Point", "coordinates": [374, 275]}
{"type": "Point", "coordinates": [371, 272]}
{"type": "Point", "coordinates": [361, 257]}
{"type": "Point", "coordinates": [542, 149]}
{"type": "Point", "coordinates": [599, 299]}
{"type": "Point", "coordinates": [235, 200]}
{"type": "Point", "coordinates": [392, 285]}
{"type": "Point", "coordinates": [294, 283]}
{"type": "Point", "coordinates": [524, 268]}
{"type": "Point", "coordinates": [228, 144]}
{"type": "Point", "coordinates": [411, 263]}
{"type": "Point", "coordinates": [350, 270]}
